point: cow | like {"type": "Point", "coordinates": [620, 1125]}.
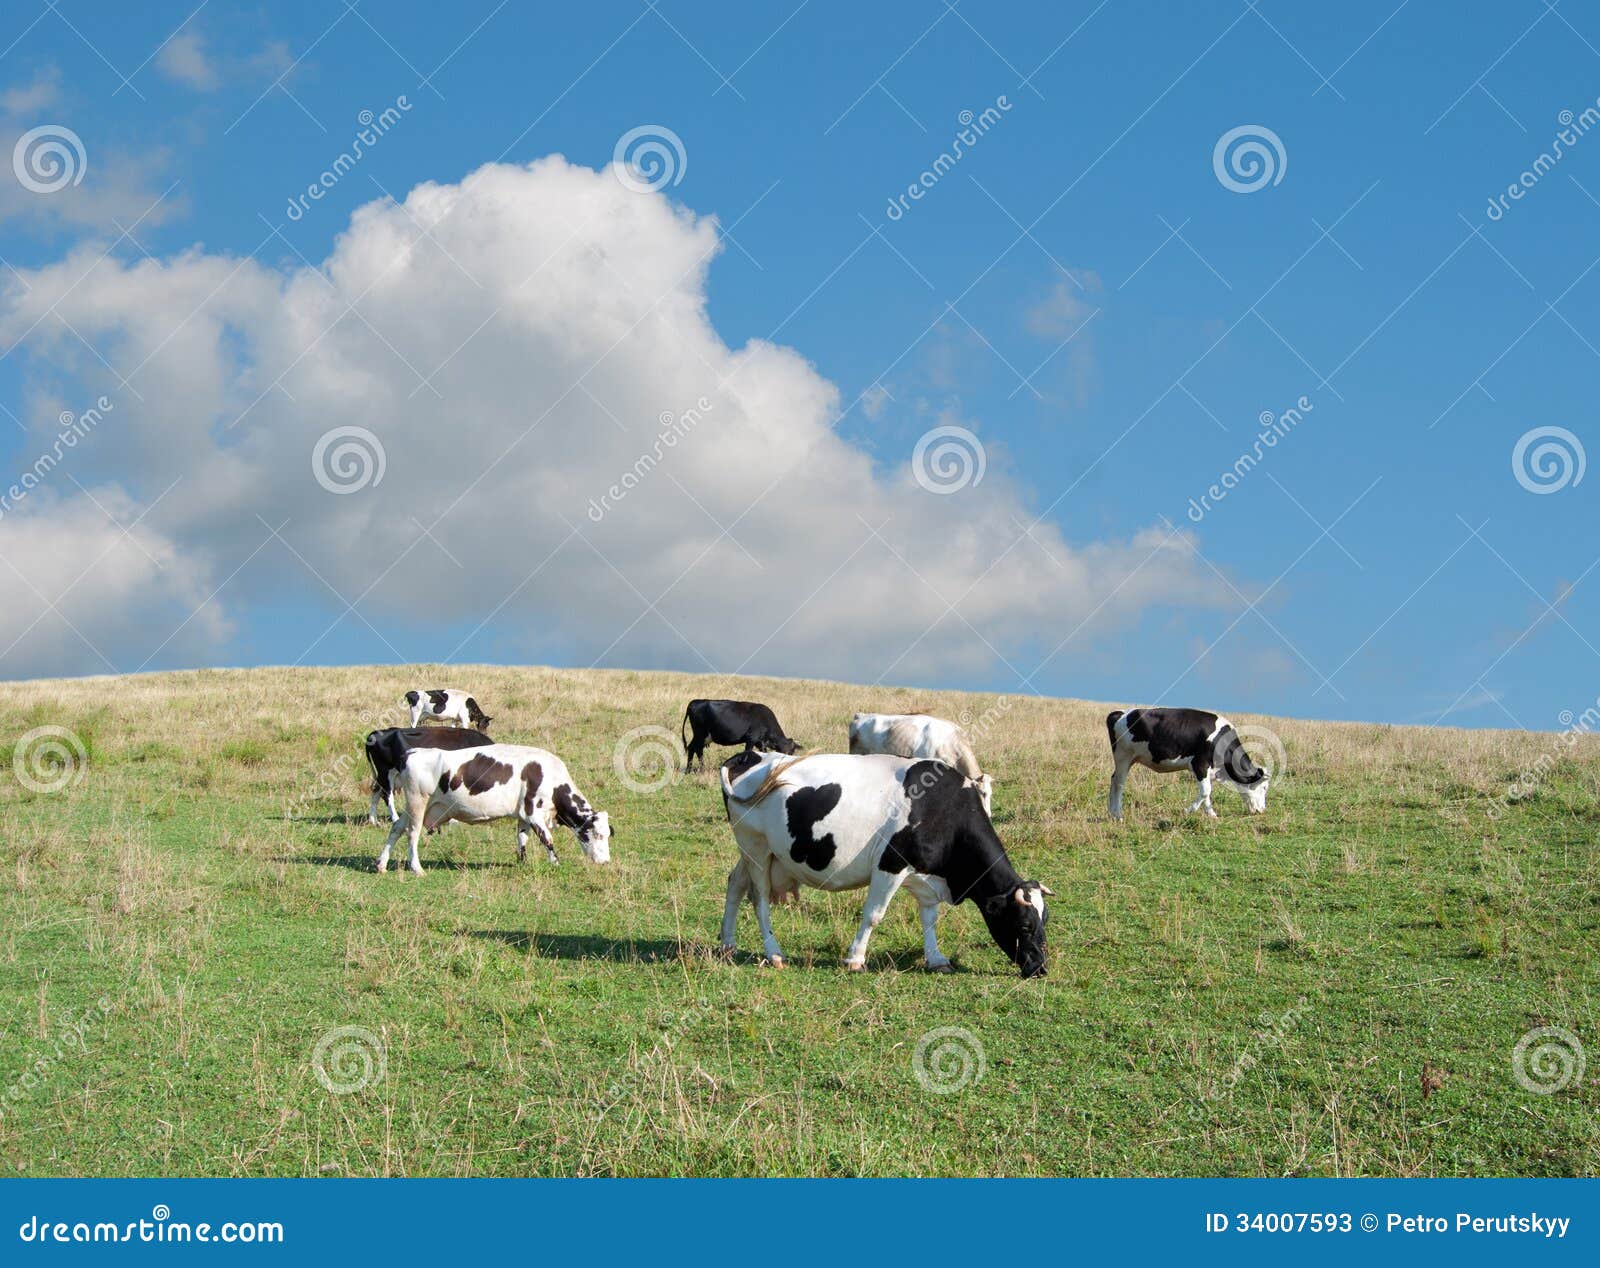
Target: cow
{"type": "Point", "coordinates": [919, 735]}
{"type": "Point", "coordinates": [837, 822]}
{"type": "Point", "coordinates": [447, 705]}
{"type": "Point", "coordinates": [1204, 744]}
{"type": "Point", "coordinates": [387, 749]}
{"type": "Point", "coordinates": [731, 722]}
{"type": "Point", "coordinates": [498, 781]}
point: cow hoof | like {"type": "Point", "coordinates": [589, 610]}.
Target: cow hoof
{"type": "Point", "coordinates": [775, 962]}
{"type": "Point", "coordinates": [945, 967]}
{"type": "Point", "coordinates": [415, 871]}
{"type": "Point", "coordinates": [856, 966]}
{"type": "Point", "coordinates": [726, 952]}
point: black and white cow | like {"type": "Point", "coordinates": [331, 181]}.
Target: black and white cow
{"type": "Point", "coordinates": [387, 749]}
{"type": "Point", "coordinates": [447, 705]}
{"type": "Point", "coordinates": [837, 822]}
{"type": "Point", "coordinates": [920, 735]}
{"type": "Point", "coordinates": [1204, 744]}
{"type": "Point", "coordinates": [732, 722]}
{"type": "Point", "coordinates": [499, 781]}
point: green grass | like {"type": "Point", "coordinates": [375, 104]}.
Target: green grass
{"type": "Point", "coordinates": [1241, 996]}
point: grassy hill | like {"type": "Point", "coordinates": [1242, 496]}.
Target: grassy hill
{"type": "Point", "coordinates": [1335, 987]}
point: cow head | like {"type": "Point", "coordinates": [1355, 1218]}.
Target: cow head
{"type": "Point", "coordinates": [1016, 920]}
{"type": "Point", "coordinates": [595, 838]}
{"type": "Point", "coordinates": [1248, 779]}
{"type": "Point", "coordinates": [785, 745]}
{"type": "Point", "coordinates": [480, 720]}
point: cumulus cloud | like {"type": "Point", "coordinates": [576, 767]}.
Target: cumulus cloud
{"type": "Point", "coordinates": [538, 434]}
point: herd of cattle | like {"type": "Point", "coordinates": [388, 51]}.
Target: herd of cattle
{"type": "Point", "coordinates": [907, 805]}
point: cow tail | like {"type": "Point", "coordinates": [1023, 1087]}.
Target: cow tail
{"type": "Point", "coordinates": [1111, 725]}
{"type": "Point", "coordinates": [773, 781]}
{"type": "Point", "coordinates": [372, 761]}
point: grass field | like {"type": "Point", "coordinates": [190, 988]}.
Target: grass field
{"type": "Point", "coordinates": [1336, 987]}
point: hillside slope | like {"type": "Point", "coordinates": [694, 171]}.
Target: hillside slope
{"type": "Point", "coordinates": [196, 957]}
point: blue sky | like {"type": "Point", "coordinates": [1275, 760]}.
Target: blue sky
{"type": "Point", "coordinates": [1081, 291]}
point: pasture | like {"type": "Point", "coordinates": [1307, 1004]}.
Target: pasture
{"type": "Point", "coordinates": [1335, 987]}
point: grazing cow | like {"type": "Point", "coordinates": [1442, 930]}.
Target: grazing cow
{"type": "Point", "coordinates": [732, 722]}
{"type": "Point", "coordinates": [499, 781]}
{"type": "Point", "coordinates": [919, 735]}
{"type": "Point", "coordinates": [447, 705]}
{"type": "Point", "coordinates": [840, 822]}
{"type": "Point", "coordinates": [387, 749]}
{"type": "Point", "coordinates": [1202, 743]}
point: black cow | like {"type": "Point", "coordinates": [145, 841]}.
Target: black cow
{"type": "Point", "coordinates": [732, 722]}
{"type": "Point", "coordinates": [387, 749]}
{"type": "Point", "coordinates": [834, 822]}
{"type": "Point", "coordinates": [1204, 744]}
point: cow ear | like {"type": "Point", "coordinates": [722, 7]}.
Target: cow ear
{"type": "Point", "coordinates": [1046, 890]}
{"type": "Point", "coordinates": [996, 903]}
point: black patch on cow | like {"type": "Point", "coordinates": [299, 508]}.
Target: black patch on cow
{"type": "Point", "coordinates": [532, 777]}
{"type": "Point", "coordinates": [1231, 758]}
{"type": "Point", "coordinates": [806, 808]}
{"type": "Point", "coordinates": [1174, 735]}
{"type": "Point", "coordinates": [476, 715]}
{"type": "Point", "coordinates": [572, 811]}
{"type": "Point", "coordinates": [439, 698]}
{"type": "Point", "coordinates": [480, 773]}
{"type": "Point", "coordinates": [412, 697]}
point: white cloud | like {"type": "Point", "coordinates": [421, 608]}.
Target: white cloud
{"type": "Point", "coordinates": [44, 90]}
{"type": "Point", "coordinates": [514, 363]}
{"type": "Point", "coordinates": [184, 58]}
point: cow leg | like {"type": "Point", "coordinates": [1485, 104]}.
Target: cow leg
{"type": "Point", "coordinates": [763, 906]}
{"type": "Point", "coordinates": [393, 813]}
{"type": "Point", "coordinates": [738, 887]}
{"type": "Point", "coordinates": [879, 891]}
{"type": "Point", "coordinates": [415, 823]}
{"type": "Point", "coordinates": [545, 839]}
{"type": "Point", "coordinates": [697, 748]}
{"type": "Point", "coordinates": [928, 910]}
{"type": "Point", "coordinates": [388, 845]}
{"type": "Point", "coordinates": [378, 781]}
{"type": "Point", "coordinates": [416, 712]}
{"type": "Point", "coordinates": [1202, 775]}
{"type": "Point", "coordinates": [1119, 777]}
